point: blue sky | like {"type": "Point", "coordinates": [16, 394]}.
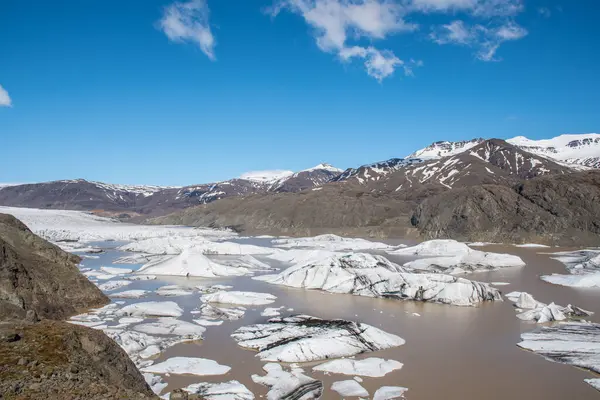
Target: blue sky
{"type": "Point", "coordinates": [157, 92]}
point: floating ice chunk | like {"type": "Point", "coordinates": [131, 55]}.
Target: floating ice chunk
{"type": "Point", "coordinates": [139, 258]}
{"type": "Point", "coordinates": [248, 262]}
{"type": "Point", "coordinates": [188, 365]}
{"type": "Point", "coordinates": [288, 385]}
{"type": "Point", "coordinates": [540, 312]}
{"type": "Point", "coordinates": [500, 283]}
{"type": "Point", "coordinates": [526, 300]}
{"type": "Point", "coordinates": [228, 313]}
{"type": "Point", "coordinates": [581, 261]}
{"type": "Point", "coordinates": [191, 262]}
{"type": "Point", "coordinates": [374, 276]}
{"type": "Point", "coordinates": [140, 346]}
{"type": "Point", "coordinates": [112, 285]}
{"type": "Point", "coordinates": [213, 288]}
{"type": "Point", "coordinates": [174, 290]}
{"type": "Point", "coordinates": [152, 309]}
{"type": "Point", "coordinates": [171, 326]}
{"type": "Point", "coordinates": [581, 281]}
{"type": "Point", "coordinates": [304, 338]}
{"type": "Point", "coordinates": [349, 388]}
{"type": "Point", "coordinates": [206, 322]}
{"type": "Point", "coordinates": [595, 383]}
{"type": "Point", "coordinates": [130, 294]}
{"type": "Point", "coordinates": [141, 277]}
{"type": "Point", "coordinates": [155, 382]}
{"type": "Point", "coordinates": [389, 392]}
{"type": "Point", "coordinates": [373, 367]}
{"type": "Point", "coordinates": [575, 343]}
{"type": "Point", "coordinates": [271, 312]}
{"type": "Point", "coordinates": [116, 271]}
{"type": "Point", "coordinates": [241, 298]}
{"type": "Point", "coordinates": [331, 243]}
{"type": "Point", "coordinates": [177, 245]}
{"type": "Point", "coordinates": [438, 247]}
{"type": "Point", "coordinates": [130, 320]}
{"type": "Point", "coordinates": [232, 390]}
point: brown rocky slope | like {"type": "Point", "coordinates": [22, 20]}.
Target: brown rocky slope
{"type": "Point", "coordinates": [51, 359]}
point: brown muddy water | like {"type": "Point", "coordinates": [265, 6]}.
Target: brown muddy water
{"type": "Point", "coordinates": [450, 353]}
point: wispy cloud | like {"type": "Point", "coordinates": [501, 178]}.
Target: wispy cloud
{"type": "Point", "coordinates": [5, 100]}
{"type": "Point", "coordinates": [544, 12]}
{"type": "Point", "coordinates": [484, 39]}
{"type": "Point", "coordinates": [336, 22]}
{"type": "Point", "coordinates": [189, 22]}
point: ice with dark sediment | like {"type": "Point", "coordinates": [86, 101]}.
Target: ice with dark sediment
{"type": "Point", "coordinates": [574, 343]}
{"type": "Point", "coordinates": [583, 267]}
{"type": "Point", "coordinates": [213, 312]}
{"type": "Point", "coordinates": [191, 262]}
{"type": "Point", "coordinates": [303, 338]}
{"type": "Point", "coordinates": [292, 384]}
{"type": "Point", "coordinates": [375, 276]}
{"type": "Point", "coordinates": [232, 390]}
{"type": "Point", "coordinates": [372, 367]}
{"type": "Point", "coordinates": [331, 243]}
{"type": "Point", "coordinates": [532, 310]}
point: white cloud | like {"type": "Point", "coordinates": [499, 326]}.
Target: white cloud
{"type": "Point", "coordinates": [545, 12]}
{"type": "Point", "coordinates": [488, 8]}
{"type": "Point", "coordinates": [335, 22]}
{"type": "Point", "coordinates": [485, 40]}
{"type": "Point", "coordinates": [189, 21]}
{"type": "Point", "coordinates": [5, 100]}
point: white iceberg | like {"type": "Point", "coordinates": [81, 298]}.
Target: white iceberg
{"type": "Point", "coordinates": [591, 280]}
{"type": "Point", "coordinates": [331, 243]}
{"type": "Point", "coordinates": [375, 276]}
{"type": "Point", "coordinates": [112, 285]}
{"type": "Point", "coordinates": [456, 258]}
{"type": "Point", "coordinates": [288, 385]}
{"type": "Point", "coordinates": [207, 322]}
{"type": "Point", "coordinates": [574, 343]}
{"type": "Point", "coordinates": [172, 326]}
{"type": "Point", "coordinates": [304, 338]}
{"type": "Point", "coordinates": [240, 298]}
{"type": "Point", "coordinates": [130, 294]}
{"type": "Point", "coordinates": [542, 313]}
{"type": "Point", "coordinates": [155, 382]}
{"type": "Point", "coordinates": [373, 367]}
{"type": "Point", "coordinates": [232, 390]}
{"type": "Point", "coordinates": [389, 392]}
{"type": "Point", "coordinates": [581, 261]}
{"type": "Point", "coordinates": [595, 383]}
{"type": "Point", "coordinates": [140, 346]}
{"type": "Point", "coordinates": [174, 290]}
{"type": "Point", "coordinates": [349, 388]}
{"type": "Point", "coordinates": [152, 309]}
{"type": "Point", "coordinates": [191, 263]}
{"type": "Point", "coordinates": [209, 311]}
{"type": "Point", "coordinates": [188, 365]}
{"type": "Point", "coordinates": [271, 312]}
{"type": "Point", "coordinates": [174, 245]}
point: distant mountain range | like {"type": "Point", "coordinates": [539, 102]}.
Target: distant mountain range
{"type": "Point", "coordinates": [400, 196]}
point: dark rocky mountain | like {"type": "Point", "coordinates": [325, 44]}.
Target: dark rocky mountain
{"type": "Point", "coordinates": [39, 277]}
{"type": "Point", "coordinates": [424, 199]}
{"type": "Point", "coordinates": [50, 358]}
{"type": "Point", "coordinates": [552, 209]}
{"type": "Point", "coordinates": [130, 201]}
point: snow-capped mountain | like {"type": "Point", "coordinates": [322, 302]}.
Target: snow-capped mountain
{"type": "Point", "coordinates": [443, 149]}
{"type": "Point", "coordinates": [375, 172]}
{"type": "Point", "coordinates": [580, 149]}
{"type": "Point", "coordinates": [80, 194]}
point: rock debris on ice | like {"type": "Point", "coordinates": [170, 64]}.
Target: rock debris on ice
{"type": "Point", "coordinates": [112, 285]}
{"type": "Point", "coordinates": [171, 326]}
{"type": "Point", "coordinates": [174, 290]}
{"type": "Point", "coordinates": [130, 294]}
{"type": "Point", "coordinates": [542, 313]}
{"type": "Point", "coordinates": [232, 390]}
{"type": "Point", "coordinates": [304, 338]}
{"type": "Point", "coordinates": [210, 311]}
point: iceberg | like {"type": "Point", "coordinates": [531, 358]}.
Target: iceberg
{"type": "Point", "coordinates": [349, 388]}
{"type": "Point", "coordinates": [239, 298]}
{"type": "Point", "coordinates": [188, 365]}
{"type": "Point", "coordinates": [288, 385]}
{"type": "Point", "coordinates": [191, 262]}
{"type": "Point", "coordinates": [331, 243]}
{"type": "Point", "coordinates": [303, 338]}
{"type": "Point", "coordinates": [372, 367]}
{"type": "Point", "coordinates": [232, 390]}
{"type": "Point", "coordinates": [152, 309]}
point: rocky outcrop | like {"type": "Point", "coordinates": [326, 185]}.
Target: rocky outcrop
{"type": "Point", "coordinates": [40, 278]}
{"type": "Point", "coordinates": [57, 360]}
{"type": "Point", "coordinates": [555, 209]}
{"type": "Point", "coordinates": [54, 359]}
